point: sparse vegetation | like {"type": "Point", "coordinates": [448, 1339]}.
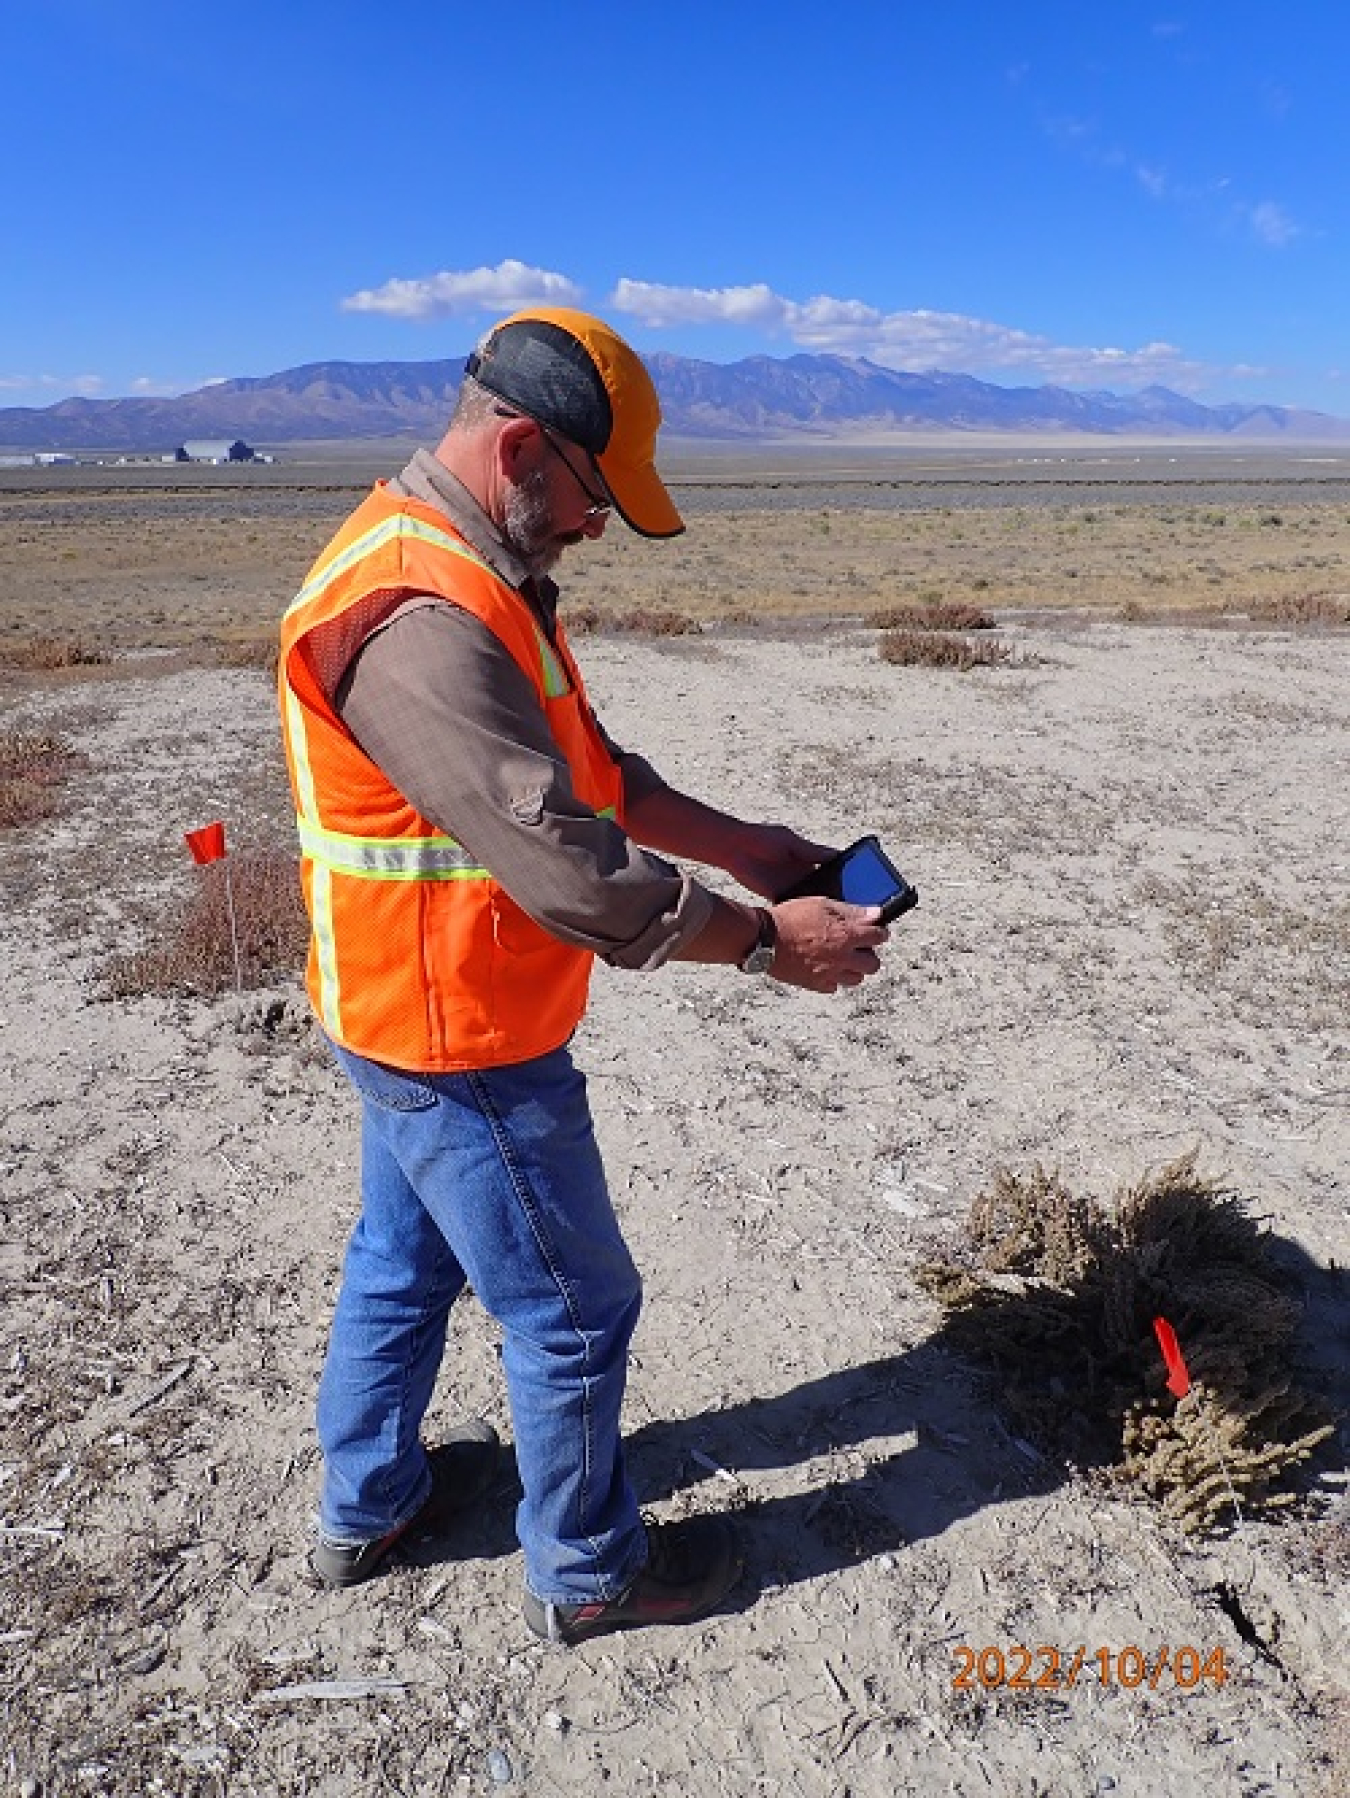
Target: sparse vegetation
{"type": "Point", "coordinates": [944, 615]}
{"type": "Point", "coordinates": [34, 767]}
{"type": "Point", "coordinates": [647, 621]}
{"type": "Point", "coordinates": [193, 952]}
{"type": "Point", "coordinates": [936, 649]}
{"type": "Point", "coordinates": [1303, 608]}
{"type": "Point", "coordinates": [180, 1172]}
{"type": "Point", "coordinates": [79, 554]}
{"type": "Point", "coordinates": [639, 621]}
{"type": "Point", "coordinates": [51, 653]}
{"type": "Point", "coordinates": [1058, 1296]}
{"type": "Point", "coordinates": [248, 652]}
{"type": "Point", "coordinates": [1273, 958]}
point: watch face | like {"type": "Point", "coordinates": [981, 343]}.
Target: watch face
{"type": "Point", "coordinates": [759, 960]}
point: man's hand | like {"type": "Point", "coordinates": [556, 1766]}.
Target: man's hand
{"type": "Point", "coordinates": [768, 858]}
{"type": "Point", "coordinates": [824, 944]}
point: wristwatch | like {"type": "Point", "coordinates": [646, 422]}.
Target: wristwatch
{"type": "Point", "coordinates": [759, 960]}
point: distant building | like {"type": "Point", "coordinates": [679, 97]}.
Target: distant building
{"type": "Point", "coordinates": [214, 449]}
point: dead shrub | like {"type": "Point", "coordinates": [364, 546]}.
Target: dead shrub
{"type": "Point", "coordinates": [933, 649]}
{"type": "Point", "coordinates": [248, 652]}
{"type": "Point", "coordinates": [1058, 1297]}
{"type": "Point", "coordinates": [946, 615]}
{"type": "Point", "coordinates": [1302, 608]}
{"type": "Point", "coordinates": [1134, 611]}
{"type": "Point", "coordinates": [647, 621]}
{"type": "Point", "coordinates": [638, 621]}
{"type": "Point", "coordinates": [33, 770]}
{"type": "Point", "coordinates": [193, 952]}
{"type": "Point", "coordinates": [49, 653]}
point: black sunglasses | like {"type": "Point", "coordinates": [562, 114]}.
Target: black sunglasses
{"type": "Point", "coordinates": [600, 506]}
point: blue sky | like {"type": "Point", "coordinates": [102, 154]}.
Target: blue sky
{"type": "Point", "coordinates": [1099, 196]}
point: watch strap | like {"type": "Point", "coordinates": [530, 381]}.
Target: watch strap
{"type": "Point", "coordinates": [758, 959]}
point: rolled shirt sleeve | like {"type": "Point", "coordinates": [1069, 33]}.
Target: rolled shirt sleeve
{"type": "Point", "coordinates": [442, 709]}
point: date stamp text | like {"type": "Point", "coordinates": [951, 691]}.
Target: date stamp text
{"type": "Point", "coordinates": [1044, 1669]}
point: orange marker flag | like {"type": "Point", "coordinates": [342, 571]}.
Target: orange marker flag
{"type": "Point", "coordinates": [1178, 1379]}
{"type": "Point", "coordinates": [206, 844]}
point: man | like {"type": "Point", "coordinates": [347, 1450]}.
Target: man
{"type": "Point", "coordinates": [471, 839]}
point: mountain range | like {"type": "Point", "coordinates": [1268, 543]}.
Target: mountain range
{"type": "Point", "coordinates": [761, 398]}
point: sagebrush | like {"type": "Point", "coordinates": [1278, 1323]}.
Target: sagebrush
{"type": "Point", "coordinates": [52, 653]}
{"type": "Point", "coordinates": [937, 649]}
{"type": "Point", "coordinates": [941, 615]}
{"type": "Point", "coordinates": [1302, 608]}
{"type": "Point", "coordinates": [1058, 1296]}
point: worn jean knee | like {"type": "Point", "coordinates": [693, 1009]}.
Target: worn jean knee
{"type": "Point", "coordinates": [495, 1176]}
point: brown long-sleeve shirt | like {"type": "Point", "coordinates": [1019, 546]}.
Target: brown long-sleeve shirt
{"type": "Point", "coordinates": [443, 710]}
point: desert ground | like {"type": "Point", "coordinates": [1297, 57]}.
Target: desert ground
{"type": "Point", "coordinates": [1130, 837]}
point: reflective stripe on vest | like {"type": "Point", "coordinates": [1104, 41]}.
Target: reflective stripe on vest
{"type": "Point", "coordinates": [321, 881]}
{"type": "Point", "coordinates": [555, 679]}
{"type": "Point", "coordinates": [377, 858]}
{"type": "Point", "coordinates": [380, 858]}
{"type": "Point", "coordinates": [488, 985]}
{"type": "Point", "coordinates": [375, 538]}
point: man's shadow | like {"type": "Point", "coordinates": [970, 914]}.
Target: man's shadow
{"type": "Point", "coordinates": [858, 1500]}
{"type": "Point", "coordinates": [960, 1452]}
{"type": "Point", "coordinates": [956, 1459]}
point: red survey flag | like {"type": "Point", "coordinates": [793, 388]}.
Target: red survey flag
{"type": "Point", "coordinates": [206, 844]}
{"type": "Point", "coordinates": [1178, 1379]}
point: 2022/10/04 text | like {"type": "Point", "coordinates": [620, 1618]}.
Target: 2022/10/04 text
{"type": "Point", "coordinates": [1046, 1669]}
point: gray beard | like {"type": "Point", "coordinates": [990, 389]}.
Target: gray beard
{"type": "Point", "coordinates": [527, 527]}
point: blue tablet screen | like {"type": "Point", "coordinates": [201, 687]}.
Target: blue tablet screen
{"type": "Point", "coordinates": [867, 880]}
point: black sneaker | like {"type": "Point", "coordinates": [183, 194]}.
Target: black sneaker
{"type": "Point", "coordinates": [462, 1469]}
{"type": "Point", "coordinates": [691, 1566]}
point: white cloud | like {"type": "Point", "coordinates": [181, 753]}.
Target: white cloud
{"type": "Point", "coordinates": [917, 340]}
{"type": "Point", "coordinates": [1211, 200]}
{"type": "Point", "coordinates": [657, 305]}
{"type": "Point", "coordinates": [1272, 225]}
{"type": "Point", "coordinates": [450, 293]}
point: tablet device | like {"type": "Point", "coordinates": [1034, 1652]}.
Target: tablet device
{"type": "Point", "coordinates": [862, 874]}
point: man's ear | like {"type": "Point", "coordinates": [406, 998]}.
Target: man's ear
{"type": "Point", "coordinates": [512, 440]}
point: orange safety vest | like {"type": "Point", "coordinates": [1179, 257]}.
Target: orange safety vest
{"type": "Point", "coordinates": [417, 956]}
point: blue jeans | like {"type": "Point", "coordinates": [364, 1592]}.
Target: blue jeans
{"type": "Point", "coordinates": [491, 1177]}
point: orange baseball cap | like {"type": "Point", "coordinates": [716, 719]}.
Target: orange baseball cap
{"type": "Point", "coordinates": [574, 373]}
